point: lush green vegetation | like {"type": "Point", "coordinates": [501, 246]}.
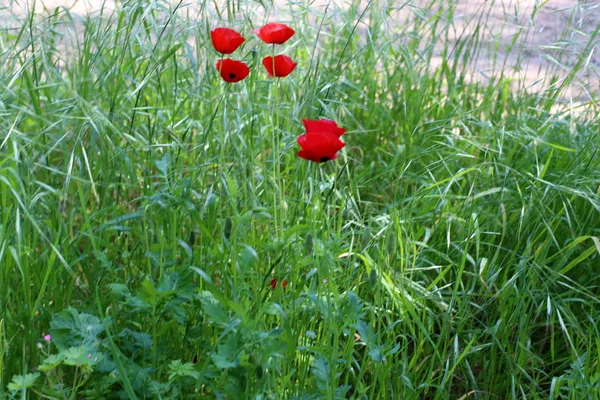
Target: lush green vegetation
{"type": "Point", "coordinates": [451, 250]}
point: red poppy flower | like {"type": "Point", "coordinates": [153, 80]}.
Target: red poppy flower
{"type": "Point", "coordinates": [321, 142]}
{"type": "Point", "coordinates": [232, 70]}
{"type": "Point", "coordinates": [226, 40]}
{"type": "Point", "coordinates": [323, 125]}
{"type": "Point", "coordinates": [273, 283]}
{"type": "Point", "coordinates": [283, 65]}
{"type": "Point", "coordinates": [275, 33]}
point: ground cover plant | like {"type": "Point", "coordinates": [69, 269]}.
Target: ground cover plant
{"type": "Point", "coordinates": [299, 200]}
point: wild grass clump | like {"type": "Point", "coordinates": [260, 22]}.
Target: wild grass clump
{"type": "Point", "coordinates": [160, 237]}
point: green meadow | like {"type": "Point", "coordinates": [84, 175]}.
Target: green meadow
{"type": "Point", "coordinates": [161, 238]}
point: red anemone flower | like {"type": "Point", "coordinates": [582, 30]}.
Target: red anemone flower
{"type": "Point", "coordinates": [273, 283]}
{"type": "Point", "coordinates": [274, 33]}
{"type": "Point", "coordinates": [232, 70]}
{"type": "Point", "coordinates": [321, 142]}
{"type": "Point", "coordinates": [283, 65]}
{"type": "Point", "coordinates": [226, 40]}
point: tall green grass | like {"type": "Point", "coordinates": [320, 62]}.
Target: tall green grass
{"type": "Point", "coordinates": [146, 206]}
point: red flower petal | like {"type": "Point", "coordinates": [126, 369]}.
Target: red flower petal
{"type": "Point", "coordinates": [323, 125]}
{"type": "Point", "coordinates": [283, 65]}
{"type": "Point", "coordinates": [232, 70]}
{"type": "Point", "coordinates": [319, 146]}
{"type": "Point", "coordinates": [275, 33]}
{"type": "Point", "coordinates": [226, 40]}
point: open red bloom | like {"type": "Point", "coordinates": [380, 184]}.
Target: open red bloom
{"type": "Point", "coordinates": [321, 142]}
{"type": "Point", "coordinates": [273, 283]}
{"type": "Point", "coordinates": [275, 33]}
{"type": "Point", "coordinates": [323, 125]}
{"type": "Point", "coordinates": [226, 40]}
{"type": "Point", "coordinates": [232, 70]}
{"type": "Point", "coordinates": [279, 66]}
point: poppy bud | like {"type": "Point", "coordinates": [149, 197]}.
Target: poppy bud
{"type": "Point", "coordinates": [308, 244]}
{"type": "Point", "coordinates": [365, 238]}
{"type": "Point", "coordinates": [227, 228]}
{"type": "Point", "coordinates": [391, 243]}
{"type": "Point", "coordinates": [373, 277]}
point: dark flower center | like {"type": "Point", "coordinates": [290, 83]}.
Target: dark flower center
{"type": "Point", "coordinates": [231, 75]}
{"type": "Point", "coordinates": [323, 159]}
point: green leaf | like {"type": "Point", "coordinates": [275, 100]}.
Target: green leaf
{"type": "Point", "coordinates": [76, 356]}
{"type": "Point", "coordinates": [148, 293]}
{"type": "Point", "coordinates": [177, 368]}
{"type": "Point", "coordinates": [364, 331]}
{"type": "Point", "coordinates": [223, 362]}
{"type": "Point", "coordinates": [52, 362]}
{"type": "Point", "coordinates": [321, 370]}
{"type": "Point", "coordinates": [163, 165]}
{"type": "Point", "coordinates": [202, 274]}
{"type": "Point", "coordinates": [118, 289]}
{"type": "Point", "coordinates": [138, 340]}
{"type": "Point", "coordinates": [70, 328]}
{"type": "Point", "coordinates": [583, 256]}
{"type": "Point", "coordinates": [248, 257]}
{"type": "Point", "coordinates": [20, 382]}
{"type": "Point", "coordinates": [81, 357]}
{"type": "Point", "coordinates": [376, 353]}
{"type": "Point", "coordinates": [215, 311]}
{"type": "Point", "coordinates": [228, 354]}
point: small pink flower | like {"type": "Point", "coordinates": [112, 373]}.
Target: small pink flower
{"type": "Point", "coordinates": [47, 338]}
